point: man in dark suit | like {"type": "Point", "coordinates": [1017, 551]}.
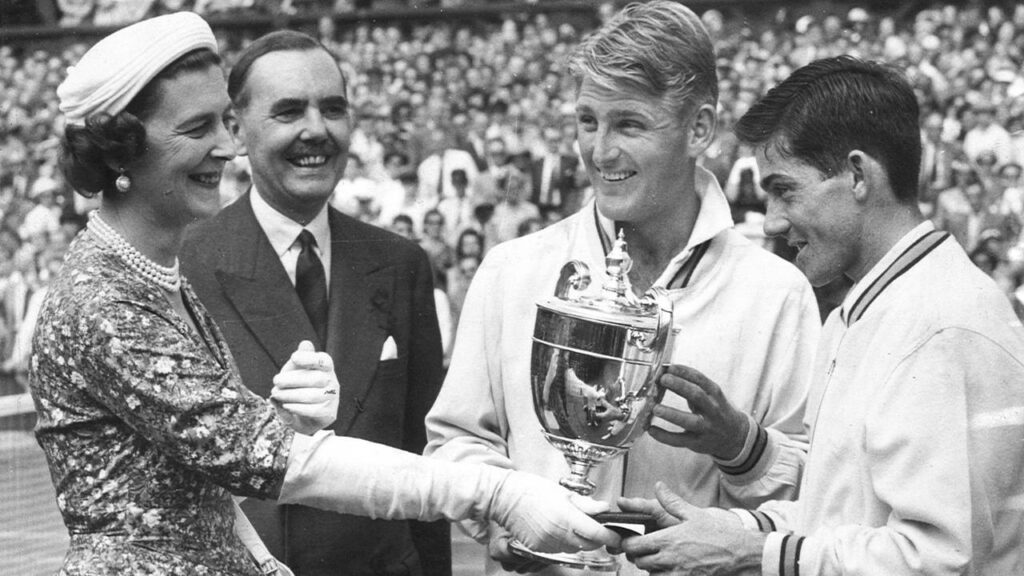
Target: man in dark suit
{"type": "Point", "coordinates": [279, 266]}
{"type": "Point", "coordinates": [553, 176]}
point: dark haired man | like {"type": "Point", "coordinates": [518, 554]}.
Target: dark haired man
{"type": "Point", "coordinates": [916, 412]}
{"type": "Point", "coordinates": [279, 266]}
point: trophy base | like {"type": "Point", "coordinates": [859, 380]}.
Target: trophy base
{"type": "Point", "coordinates": [581, 456]}
{"type": "Point", "coordinates": [594, 560]}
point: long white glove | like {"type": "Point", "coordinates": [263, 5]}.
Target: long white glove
{"type": "Point", "coordinates": [305, 391]}
{"type": "Point", "coordinates": [353, 476]}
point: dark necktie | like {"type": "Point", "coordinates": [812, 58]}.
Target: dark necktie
{"type": "Point", "coordinates": [311, 284]}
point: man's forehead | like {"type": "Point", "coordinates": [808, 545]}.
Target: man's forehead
{"type": "Point", "coordinates": [593, 93]}
{"type": "Point", "coordinates": [775, 164]}
{"type": "Point", "coordinates": [768, 154]}
{"type": "Point", "coordinates": [296, 71]}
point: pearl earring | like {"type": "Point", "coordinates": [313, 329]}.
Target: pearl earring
{"type": "Point", "coordinates": [123, 182]}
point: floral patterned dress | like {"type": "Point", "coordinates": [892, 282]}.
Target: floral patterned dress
{"type": "Point", "coordinates": [146, 425]}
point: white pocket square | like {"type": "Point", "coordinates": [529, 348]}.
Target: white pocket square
{"type": "Point", "coordinates": [390, 350]}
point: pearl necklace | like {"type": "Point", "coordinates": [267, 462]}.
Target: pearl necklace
{"type": "Point", "coordinates": [166, 277]}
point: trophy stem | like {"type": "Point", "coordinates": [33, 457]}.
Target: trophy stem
{"type": "Point", "coordinates": [577, 480]}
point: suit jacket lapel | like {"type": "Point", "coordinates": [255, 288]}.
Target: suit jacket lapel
{"type": "Point", "coordinates": [358, 317]}
{"type": "Point", "coordinates": [257, 285]}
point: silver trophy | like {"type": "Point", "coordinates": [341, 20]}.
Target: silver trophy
{"type": "Point", "coordinates": [594, 371]}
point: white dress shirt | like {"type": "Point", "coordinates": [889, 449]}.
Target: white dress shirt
{"type": "Point", "coordinates": [283, 233]}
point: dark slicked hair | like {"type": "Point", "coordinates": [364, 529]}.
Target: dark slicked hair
{"type": "Point", "coordinates": [280, 41]}
{"type": "Point", "coordinates": [832, 106]}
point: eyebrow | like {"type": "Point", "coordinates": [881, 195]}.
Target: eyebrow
{"type": "Point", "coordinates": [201, 117]}
{"type": "Point", "coordinates": [770, 179]}
{"type": "Point", "coordinates": [287, 103]}
{"type": "Point", "coordinates": [301, 102]}
{"type": "Point", "coordinates": [336, 100]}
{"type": "Point", "coordinates": [613, 114]}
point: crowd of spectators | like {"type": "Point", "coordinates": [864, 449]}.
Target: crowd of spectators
{"type": "Point", "coordinates": [464, 135]}
{"type": "Point", "coordinates": [70, 13]}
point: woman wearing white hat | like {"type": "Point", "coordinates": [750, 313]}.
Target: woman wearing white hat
{"type": "Point", "coordinates": [146, 427]}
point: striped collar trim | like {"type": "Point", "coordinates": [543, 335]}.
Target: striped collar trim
{"type": "Point", "coordinates": [921, 241]}
{"type": "Point", "coordinates": [684, 271]}
{"type": "Point", "coordinates": [713, 217]}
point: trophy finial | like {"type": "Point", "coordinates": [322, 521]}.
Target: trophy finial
{"type": "Point", "coordinates": [616, 266]}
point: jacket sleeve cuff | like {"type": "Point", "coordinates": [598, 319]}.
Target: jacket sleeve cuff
{"type": "Point", "coordinates": [752, 460]}
{"type": "Point", "coordinates": [782, 554]}
{"type": "Point", "coordinates": [755, 520]}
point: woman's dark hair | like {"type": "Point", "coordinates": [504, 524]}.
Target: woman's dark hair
{"type": "Point", "coordinates": [459, 251]}
{"type": "Point", "coordinates": [404, 218]}
{"type": "Point", "coordinates": [87, 151]}
{"type": "Point", "coordinates": [433, 212]}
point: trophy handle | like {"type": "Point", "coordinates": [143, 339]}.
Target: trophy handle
{"type": "Point", "coordinates": [574, 278]}
{"type": "Point", "coordinates": [658, 297]}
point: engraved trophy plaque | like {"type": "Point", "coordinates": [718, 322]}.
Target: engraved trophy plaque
{"type": "Point", "coordinates": [595, 364]}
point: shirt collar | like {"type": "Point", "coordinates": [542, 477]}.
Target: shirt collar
{"type": "Point", "coordinates": [282, 230]}
{"type": "Point", "coordinates": [713, 217]}
{"type": "Point", "coordinates": [863, 292]}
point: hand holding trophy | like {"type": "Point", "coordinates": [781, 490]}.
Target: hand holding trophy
{"type": "Point", "coordinates": [594, 370]}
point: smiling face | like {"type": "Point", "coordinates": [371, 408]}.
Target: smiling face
{"type": "Point", "coordinates": [295, 129]}
{"type": "Point", "coordinates": [637, 153]}
{"type": "Point", "coordinates": [187, 146]}
{"type": "Point", "coordinates": [816, 215]}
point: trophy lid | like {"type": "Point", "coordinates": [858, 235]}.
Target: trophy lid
{"type": "Point", "coordinates": [614, 304]}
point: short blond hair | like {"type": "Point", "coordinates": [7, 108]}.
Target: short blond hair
{"type": "Point", "coordinates": [660, 48]}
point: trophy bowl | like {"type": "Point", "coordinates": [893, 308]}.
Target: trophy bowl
{"type": "Point", "coordinates": [595, 364]}
{"type": "Point", "coordinates": [594, 380]}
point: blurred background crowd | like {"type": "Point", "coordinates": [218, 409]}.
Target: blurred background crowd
{"type": "Point", "coordinates": [464, 135]}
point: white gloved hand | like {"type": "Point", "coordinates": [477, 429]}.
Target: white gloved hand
{"type": "Point", "coordinates": [305, 391]}
{"type": "Point", "coordinates": [353, 476]}
{"type": "Point", "coordinates": [548, 518]}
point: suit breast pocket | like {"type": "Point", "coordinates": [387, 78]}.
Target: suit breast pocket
{"type": "Point", "coordinates": [391, 370]}
{"type": "Point", "coordinates": [383, 407]}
